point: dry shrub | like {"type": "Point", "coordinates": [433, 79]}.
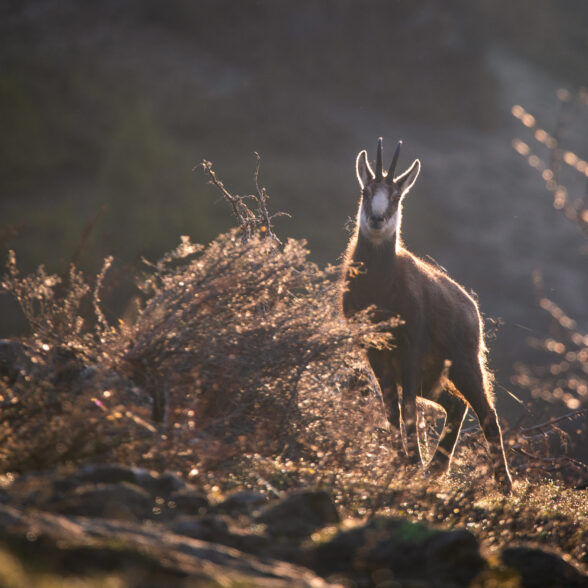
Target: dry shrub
{"type": "Point", "coordinates": [241, 352]}
{"type": "Point", "coordinates": [244, 344]}
{"type": "Point", "coordinates": [50, 306]}
{"type": "Point", "coordinates": [59, 401]}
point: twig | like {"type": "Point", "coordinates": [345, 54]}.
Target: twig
{"type": "Point", "coordinates": [103, 324]}
{"type": "Point", "coordinates": [576, 210]}
{"type": "Point", "coordinates": [493, 328]}
{"type": "Point", "coordinates": [548, 424]}
{"type": "Point", "coordinates": [240, 209]}
{"type": "Point", "coordinates": [262, 197]}
{"type": "Point", "coordinates": [555, 461]}
{"type": "Point", "coordinates": [247, 219]}
{"type": "Point", "coordinates": [87, 230]}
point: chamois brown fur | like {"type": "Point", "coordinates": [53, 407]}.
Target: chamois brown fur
{"type": "Point", "coordinates": [439, 351]}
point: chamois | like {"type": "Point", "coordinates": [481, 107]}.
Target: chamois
{"type": "Point", "coordinates": [439, 351]}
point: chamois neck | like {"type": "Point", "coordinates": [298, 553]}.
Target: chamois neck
{"type": "Point", "coordinates": [375, 254]}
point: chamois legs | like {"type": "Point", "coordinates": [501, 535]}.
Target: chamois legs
{"type": "Point", "coordinates": [401, 411]}
{"type": "Point", "coordinates": [382, 368]}
{"type": "Point", "coordinates": [411, 386]}
{"type": "Point", "coordinates": [455, 409]}
{"type": "Point", "coordinates": [469, 380]}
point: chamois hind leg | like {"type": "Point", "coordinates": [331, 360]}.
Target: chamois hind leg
{"type": "Point", "coordinates": [455, 409]}
{"type": "Point", "coordinates": [470, 381]}
{"type": "Point", "coordinates": [381, 365]}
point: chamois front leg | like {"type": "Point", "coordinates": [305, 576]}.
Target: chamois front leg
{"type": "Point", "coordinates": [455, 410]}
{"type": "Point", "coordinates": [411, 385]}
{"type": "Point", "coordinates": [381, 364]}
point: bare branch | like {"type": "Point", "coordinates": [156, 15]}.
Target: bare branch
{"type": "Point", "coordinates": [248, 220]}
{"type": "Point", "coordinates": [102, 322]}
{"type": "Point", "coordinates": [542, 427]}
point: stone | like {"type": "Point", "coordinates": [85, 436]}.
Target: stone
{"type": "Point", "coordinates": [214, 528]}
{"type": "Point", "coordinates": [189, 502]}
{"type": "Point", "coordinates": [149, 554]}
{"type": "Point", "coordinates": [121, 501]}
{"type": "Point", "coordinates": [241, 502]}
{"type": "Point", "coordinates": [299, 514]}
{"type": "Point", "coordinates": [158, 484]}
{"type": "Point", "coordinates": [400, 549]}
{"type": "Point", "coordinates": [208, 528]}
{"type": "Point", "coordinates": [540, 569]}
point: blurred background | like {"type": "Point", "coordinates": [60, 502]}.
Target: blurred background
{"type": "Point", "coordinates": [106, 107]}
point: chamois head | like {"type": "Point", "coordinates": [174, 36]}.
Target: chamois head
{"type": "Point", "coordinates": [381, 195]}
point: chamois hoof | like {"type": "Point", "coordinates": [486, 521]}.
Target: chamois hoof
{"type": "Point", "coordinates": [504, 484]}
{"type": "Point", "coordinates": [437, 469]}
{"type": "Point", "coordinates": [413, 459]}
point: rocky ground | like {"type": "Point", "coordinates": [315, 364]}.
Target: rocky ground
{"type": "Point", "coordinates": [125, 526]}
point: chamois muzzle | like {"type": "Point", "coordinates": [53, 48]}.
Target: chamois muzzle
{"type": "Point", "coordinates": [376, 221]}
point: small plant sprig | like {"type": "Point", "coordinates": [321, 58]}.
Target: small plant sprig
{"type": "Point", "coordinates": [571, 107]}
{"type": "Point", "coordinates": [249, 220]}
{"type": "Point", "coordinates": [50, 306]}
{"type": "Point", "coordinates": [561, 376]}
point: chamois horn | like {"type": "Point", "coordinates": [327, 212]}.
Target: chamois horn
{"type": "Point", "coordinates": [392, 170]}
{"type": "Point", "coordinates": [379, 161]}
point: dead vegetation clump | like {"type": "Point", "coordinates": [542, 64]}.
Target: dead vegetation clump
{"type": "Point", "coordinates": [59, 401]}
{"type": "Point", "coordinates": [242, 348]}
{"type": "Point", "coordinates": [237, 355]}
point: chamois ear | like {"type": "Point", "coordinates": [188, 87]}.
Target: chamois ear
{"type": "Point", "coordinates": [363, 169]}
{"type": "Point", "coordinates": [406, 180]}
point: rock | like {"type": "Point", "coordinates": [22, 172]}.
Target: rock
{"type": "Point", "coordinates": [164, 484]}
{"type": "Point", "coordinates": [241, 502]}
{"type": "Point", "coordinates": [189, 502]}
{"type": "Point", "coordinates": [299, 513]}
{"type": "Point", "coordinates": [402, 550]}
{"type": "Point", "coordinates": [208, 528]}
{"type": "Point", "coordinates": [108, 491]}
{"type": "Point", "coordinates": [541, 569]}
{"type": "Point", "coordinates": [160, 531]}
{"type": "Point", "coordinates": [149, 554]}
{"type": "Point", "coordinates": [453, 556]}
{"type": "Point", "coordinates": [215, 529]}
{"type": "Point", "coordinates": [157, 484]}
{"type": "Point", "coordinates": [108, 473]}
{"type": "Point", "coordinates": [121, 501]}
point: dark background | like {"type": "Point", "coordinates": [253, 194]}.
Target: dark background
{"type": "Point", "coordinates": [105, 108]}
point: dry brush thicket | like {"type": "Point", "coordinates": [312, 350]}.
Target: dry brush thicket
{"type": "Point", "coordinates": [235, 370]}
{"type": "Point", "coordinates": [236, 360]}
